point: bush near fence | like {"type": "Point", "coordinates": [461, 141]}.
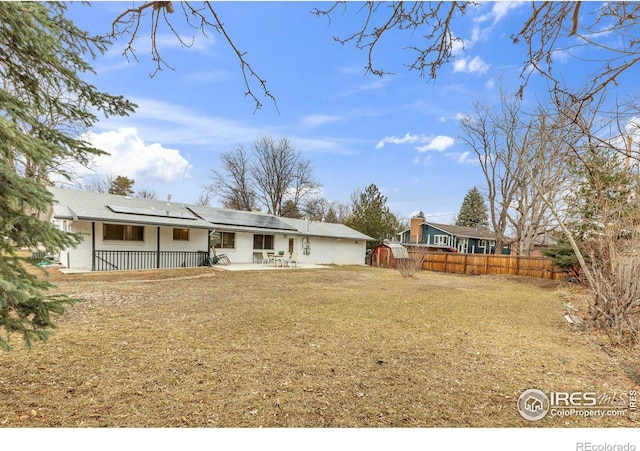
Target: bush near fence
{"type": "Point", "coordinates": [489, 264]}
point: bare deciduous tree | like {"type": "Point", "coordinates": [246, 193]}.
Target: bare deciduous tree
{"type": "Point", "coordinates": [146, 194]}
{"type": "Point", "coordinates": [497, 158]}
{"type": "Point", "coordinates": [199, 16]}
{"type": "Point", "coordinates": [316, 208]}
{"type": "Point", "coordinates": [98, 183]}
{"type": "Point", "coordinates": [274, 173]}
{"type": "Point", "coordinates": [544, 149]}
{"type": "Point", "coordinates": [504, 141]}
{"type": "Point", "coordinates": [233, 183]}
{"type": "Point", "coordinates": [548, 28]}
{"type": "Point", "coordinates": [279, 172]}
{"type": "Point", "coordinates": [304, 185]}
{"type": "Point", "coordinates": [602, 222]}
{"type": "Point", "coordinates": [204, 199]}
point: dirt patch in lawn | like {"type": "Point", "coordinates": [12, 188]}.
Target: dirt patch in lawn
{"type": "Point", "coordinates": [338, 347]}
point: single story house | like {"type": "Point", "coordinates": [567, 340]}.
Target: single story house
{"type": "Point", "coordinates": [449, 238]}
{"type": "Point", "coordinates": [324, 242]}
{"type": "Point", "coordinates": [122, 232]}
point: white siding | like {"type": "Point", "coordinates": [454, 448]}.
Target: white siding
{"type": "Point", "coordinates": [80, 256]}
{"type": "Point", "coordinates": [323, 250]}
{"type": "Point", "coordinates": [198, 240]}
{"type": "Point", "coordinates": [333, 251]}
{"type": "Point", "coordinates": [243, 251]}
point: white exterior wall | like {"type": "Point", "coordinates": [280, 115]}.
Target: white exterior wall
{"type": "Point", "coordinates": [334, 251]}
{"type": "Point", "coordinates": [80, 256]}
{"type": "Point", "coordinates": [198, 240]}
{"type": "Point", "coordinates": [323, 250]}
{"type": "Point", "coordinates": [243, 251]}
{"type": "Point", "coordinates": [350, 252]}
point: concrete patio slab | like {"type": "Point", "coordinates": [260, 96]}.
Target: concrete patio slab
{"type": "Point", "coordinates": [261, 267]}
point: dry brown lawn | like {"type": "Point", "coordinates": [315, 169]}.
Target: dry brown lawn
{"type": "Point", "coordinates": [339, 347]}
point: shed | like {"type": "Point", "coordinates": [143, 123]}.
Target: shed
{"type": "Point", "coordinates": [387, 255]}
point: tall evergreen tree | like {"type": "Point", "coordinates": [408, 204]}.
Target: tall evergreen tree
{"type": "Point", "coordinates": [41, 55]}
{"type": "Point", "coordinates": [122, 186]}
{"type": "Point", "coordinates": [473, 211]}
{"type": "Point", "coordinates": [371, 215]}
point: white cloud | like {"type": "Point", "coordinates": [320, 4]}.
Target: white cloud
{"type": "Point", "coordinates": [370, 86]}
{"type": "Point", "coordinates": [470, 65]}
{"type": "Point", "coordinates": [317, 120]}
{"type": "Point", "coordinates": [456, 117]}
{"type": "Point", "coordinates": [130, 156]}
{"type": "Point", "coordinates": [439, 143]}
{"type": "Point", "coordinates": [499, 11]}
{"type": "Point", "coordinates": [406, 139]}
{"type": "Point", "coordinates": [200, 43]}
{"type": "Point", "coordinates": [462, 158]}
{"type": "Point", "coordinates": [422, 160]}
{"type": "Point", "coordinates": [171, 123]}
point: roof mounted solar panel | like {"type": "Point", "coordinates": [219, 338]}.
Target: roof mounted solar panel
{"type": "Point", "coordinates": [151, 212]}
{"type": "Point", "coordinates": [224, 217]}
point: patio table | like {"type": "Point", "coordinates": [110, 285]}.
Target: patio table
{"type": "Point", "coordinates": [277, 258]}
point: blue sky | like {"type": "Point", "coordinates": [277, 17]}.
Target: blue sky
{"type": "Point", "coordinates": [398, 132]}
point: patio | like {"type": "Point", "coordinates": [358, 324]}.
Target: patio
{"type": "Point", "coordinates": [269, 267]}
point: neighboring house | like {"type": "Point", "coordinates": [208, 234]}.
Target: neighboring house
{"type": "Point", "coordinates": [448, 238]}
{"type": "Point", "coordinates": [540, 244]}
{"type": "Point", "coordinates": [131, 233]}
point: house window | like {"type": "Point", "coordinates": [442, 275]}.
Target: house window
{"type": "Point", "coordinates": [180, 234]}
{"type": "Point", "coordinates": [122, 232]}
{"type": "Point", "coordinates": [263, 242]}
{"type": "Point", "coordinates": [440, 240]}
{"type": "Point", "coordinates": [224, 240]}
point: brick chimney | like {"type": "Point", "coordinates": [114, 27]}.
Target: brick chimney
{"type": "Point", "coordinates": [415, 234]}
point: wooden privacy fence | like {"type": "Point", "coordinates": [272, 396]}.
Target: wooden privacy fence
{"type": "Point", "coordinates": [479, 264]}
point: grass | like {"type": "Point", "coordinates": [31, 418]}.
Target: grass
{"type": "Point", "coordinates": [341, 347]}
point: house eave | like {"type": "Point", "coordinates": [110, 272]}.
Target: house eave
{"type": "Point", "coordinates": [136, 221]}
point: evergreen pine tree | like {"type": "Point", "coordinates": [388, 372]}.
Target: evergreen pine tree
{"type": "Point", "coordinates": [372, 216]}
{"type": "Point", "coordinates": [41, 56]}
{"type": "Point", "coordinates": [122, 186]}
{"type": "Point", "coordinates": [473, 211]}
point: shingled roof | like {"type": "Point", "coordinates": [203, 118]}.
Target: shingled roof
{"type": "Point", "coordinates": [90, 206]}
{"type": "Point", "coordinates": [464, 232]}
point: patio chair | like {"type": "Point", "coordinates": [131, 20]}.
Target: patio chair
{"type": "Point", "coordinates": [266, 258]}
{"type": "Point", "coordinates": [223, 259]}
{"type": "Point", "coordinates": [293, 260]}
